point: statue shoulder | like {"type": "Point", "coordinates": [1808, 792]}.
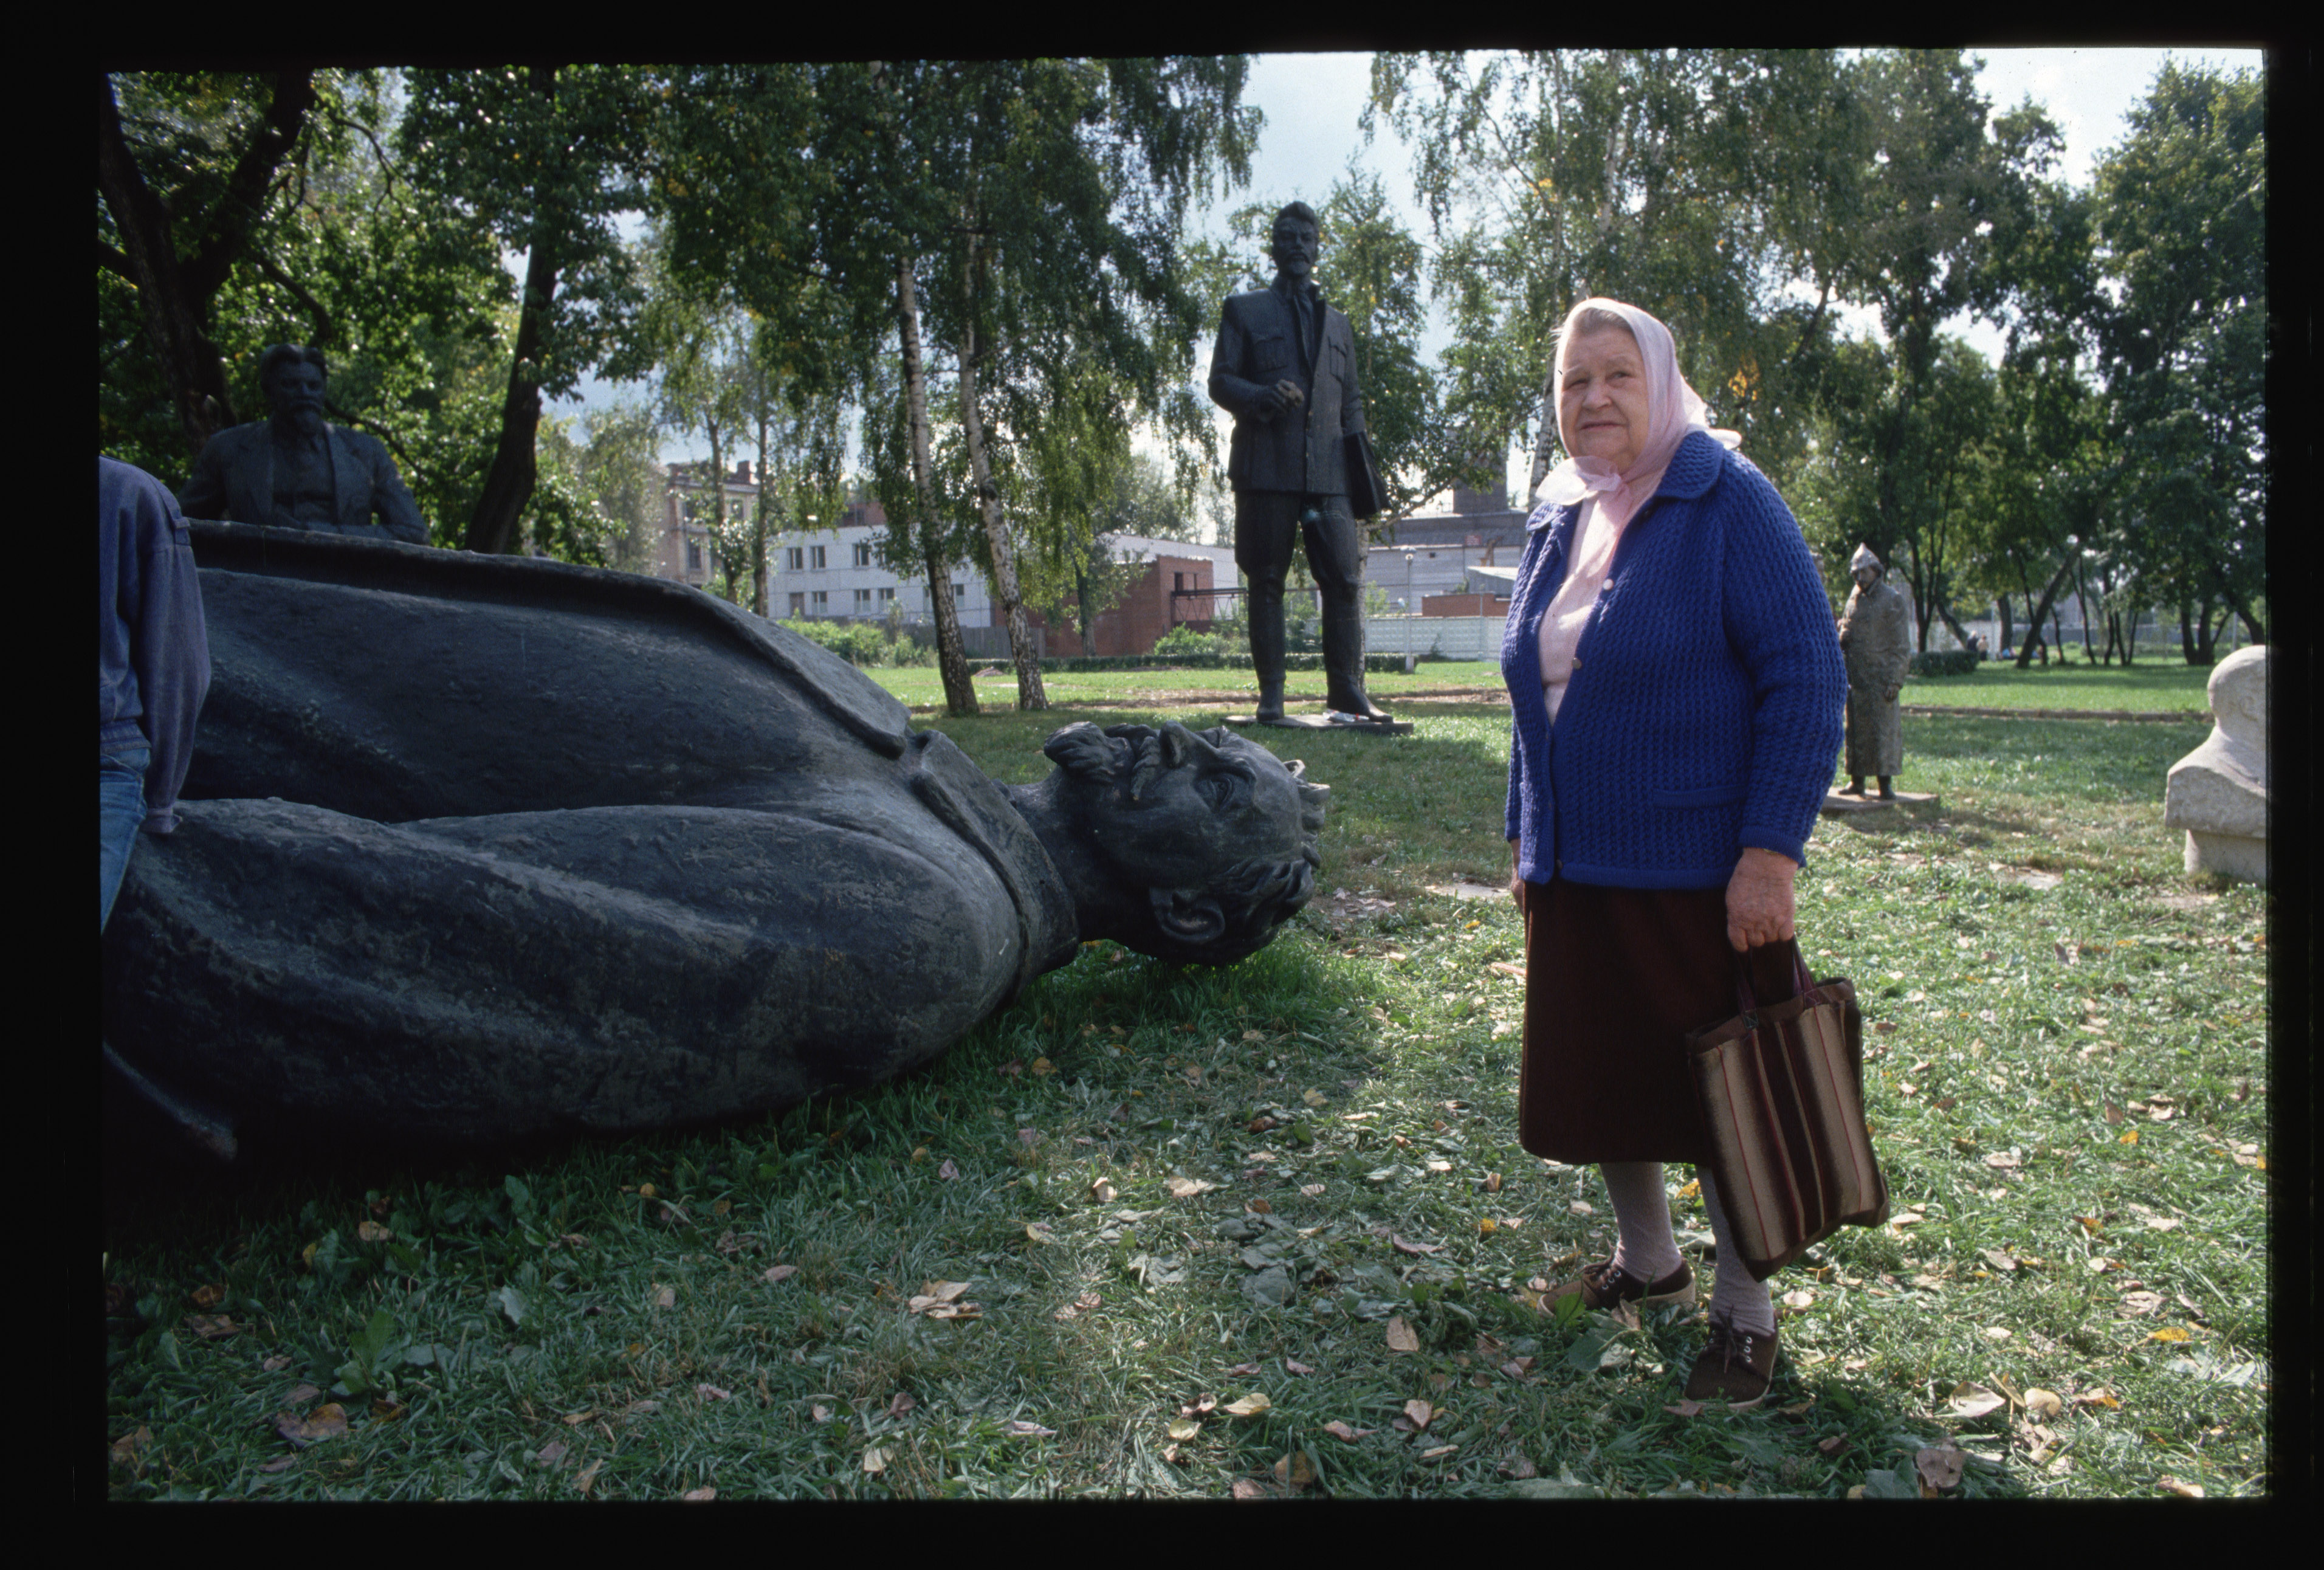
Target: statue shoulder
{"type": "Point", "coordinates": [236, 440]}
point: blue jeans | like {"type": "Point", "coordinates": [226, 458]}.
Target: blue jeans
{"type": "Point", "coordinates": [120, 810]}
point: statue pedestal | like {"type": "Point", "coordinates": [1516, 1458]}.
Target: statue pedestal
{"type": "Point", "coordinates": [1835, 805]}
{"type": "Point", "coordinates": [2230, 855]}
{"type": "Point", "coordinates": [1333, 722]}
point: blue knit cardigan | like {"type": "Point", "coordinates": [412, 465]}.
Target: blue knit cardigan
{"type": "Point", "coordinates": [1706, 709]}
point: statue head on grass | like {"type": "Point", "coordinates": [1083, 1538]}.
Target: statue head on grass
{"type": "Point", "coordinates": [1191, 846]}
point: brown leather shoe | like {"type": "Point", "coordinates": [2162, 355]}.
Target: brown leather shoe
{"type": "Point", "coordinates": [1737, 1367]}
{"type": "Point", "coordinates": [1602, 1286]}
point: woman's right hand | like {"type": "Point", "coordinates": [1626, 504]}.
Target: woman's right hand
{"type": "Point", "coordinates": [1516, 880]}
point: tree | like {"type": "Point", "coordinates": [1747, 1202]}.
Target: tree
{"type": "Point", "coordinates": [177, 244]}
{"type": "Point", "coordinates": [1372, 269]}
{"type": "Point", "coordinates": [1710, 186]}
{"type": "Point", "coordinates": [2180, 214]}
{"type": "Point", "coordinates": [543, 157]}
{"type": "Point", "coordinates": [348, 253]}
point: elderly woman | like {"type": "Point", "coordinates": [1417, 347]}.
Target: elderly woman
{"type": "Point", "coordinates": [1677, 691]}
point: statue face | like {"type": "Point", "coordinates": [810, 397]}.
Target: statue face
{"type": "Point", "coordinates": [1601, 398]}
{"type": "Point", "coordinates": [294, 394]}
{"type": "Point", "coordinates": [1865, 577]}
{"type": "Point", "coordinates": [1294, 249]}
{"type": "Point", "coordinates": [1225, 801]}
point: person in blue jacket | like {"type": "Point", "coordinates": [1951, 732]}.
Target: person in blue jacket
{"type": "Point", "coordinates": [1677, 694]}
{"type": "Point", "coordinates": [152, 665]}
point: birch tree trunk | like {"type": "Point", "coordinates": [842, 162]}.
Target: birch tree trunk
{"type": "Point", "coordinates": [1030, 695]}
{"type": "Point", "coordinates": [759, 523]}
{"type": "Point", "coordinates": [952, 659]}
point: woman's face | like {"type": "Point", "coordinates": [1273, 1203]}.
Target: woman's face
{"type": "Point", "coordinates": [1601, 402]}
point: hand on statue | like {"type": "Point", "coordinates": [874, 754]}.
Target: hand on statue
{"type": "Point", "coordinates": [1759, 901]}
{"type": "Point", "coordinates": [1516, 880]}
{"type": "Point", "coordinates": [1269, 403]}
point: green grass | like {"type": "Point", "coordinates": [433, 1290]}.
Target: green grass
{"type": "Point", "coordinates": [2029, 957]}
{"type": "Point", "coordinates": [2151, 687]}
{"type": "Point", "coordinates": [923, 688]}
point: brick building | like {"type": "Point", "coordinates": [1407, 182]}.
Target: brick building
{"type": "Point", "coordinates": [1172, 588]}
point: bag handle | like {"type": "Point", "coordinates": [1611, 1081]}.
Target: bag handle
{"type": "Point", "coordinates": [1805, 983]}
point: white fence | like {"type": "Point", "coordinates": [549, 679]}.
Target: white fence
{"type": "Point", "coordinates": [1447, 637]}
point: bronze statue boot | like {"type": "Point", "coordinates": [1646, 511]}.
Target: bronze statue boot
{"type": "Point", "coordinates": [1343, 661]}
{"type": "Point", "coordinates": [1267, 653]}
{"type": "Point", "coordinates": [1886, 793]}
{"type": "Point", "coordinates": [1855, 786]}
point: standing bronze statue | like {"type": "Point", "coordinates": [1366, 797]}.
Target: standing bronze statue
{"type": "Point", "coordinates": [1875, 633]}
{"type": "Point", "coordinates": [1285, 367]}
{"type": "Point", "coordinates": [294, 471]}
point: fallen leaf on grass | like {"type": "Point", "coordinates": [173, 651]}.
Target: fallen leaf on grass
{"type": "Point", "coordinates": [1292, 1365]}
{"type": "Point", "coordinates": [211, 1326]}
{"type": "Point", "coordinates": [1104, 1192]}
{"type": "Point", "coordinates": [276, 1363]}
{"type": "Point", "coordinates": [1518, 1367]}
{"type": "Point", "coordinates": [209, 1296]}
{"type": "Point", "coordinates": [1419, 1413]}
{"type": "Point", "coordinates": [1184, 1427]}
{"type": "Point", "coordinates": [2169, 1333]}
{"type": "Point", "coordinates": [279, 1464]}
{"type": "Point", "coordinates": [1939, 1469]}
{"type": "Point", "coordinates": [327, 1422]}
{"type": "Point", "coordinates": [875, 1461]}
{"type": "Point", "coordinates": [665, 1297]}
{"type": "Point", "coordinates": [1295, 1470]}
{"type": "Point", "coordinates": [2041, 1403]}
{"type": "Point", "coordinates": [1518, 1467]}
{"type": "Point", "coordinates": [778, 1274]}
{"type": "Point", "coordinates": [550, 1453]}
{"type": "Point", "coordinates": [2100, 1397]}
{"type": "Point", "coordinates": [387, 1411]}
{"type": "Point", "coordinates": [948, 1172]}
{"type": "Point", "coordinates": [1684, 1408]}
{"type": "Point", "coordinates": [1339, 1430]}
{"type": "Point", "coordinates": [2183, 1490]}
{"type": "Point", "coordinates": [1244, 1488]}
{"type": "Point", "coordinates": [1973, 1400]}
{"type": "Point", "coordinates": [1188, 1187]}
{"type": "Point", "coordinates": [1799, 1299]}
{"type": "Point", "coordinates": [371, 1232]}
{"type": "Point", "coordinates": [1439, 1453]}
{"type": "Point", "coordinates": [712, 1393]}
{"type": "Point", "coordinates": [1833, 1445]}
{"type": "Point", "coordinates": [1403, 1247]}
{"type": "Point", "coordinates": [588, 1478]}
{"type": "Point", "coordinates": [1028, 1430]}
{"type": "Point", "coordinates": [1314, 1098]}
{"type": "Point", "coordinates": [1251, 1406]}
{"type": "Point", "coordinates": [1400, 1336]}
{"type": "Point", "coordinates": [1310, 1189]}
{"type": "Point", "coordinates": [1884, 1027]}
{"type": "Point", "coordinates": [1581, 1207]}
{"type": "Point", "coordinates": [1078, 1306]}
{"type": "Point", "coordinates": [574, 1419]}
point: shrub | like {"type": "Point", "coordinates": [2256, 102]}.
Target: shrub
{"type": "Point", "coordinates": [854, 641]}
{"type": "Point", "coordinates": [1180, 641]}
{"type": "Point", "coordinates": [1946, 662]}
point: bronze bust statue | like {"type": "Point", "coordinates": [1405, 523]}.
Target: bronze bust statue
{"type": "Point", "coordinates": [1285, 367]}
{"type": "Point", "coordinates": [599, 852]}
{"type": "Point", "coordinates": [295, 471]}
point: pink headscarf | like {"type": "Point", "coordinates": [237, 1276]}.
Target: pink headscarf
{"type": "Point", "coordinates": [1673, 410]}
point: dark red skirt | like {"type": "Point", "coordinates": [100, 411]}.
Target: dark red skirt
{"type": "Point", "coordinates": [1615, 978]}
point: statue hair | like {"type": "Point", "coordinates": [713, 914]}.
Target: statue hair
{"type": "Point", "coordinates": [278, 355]}
{"type": "Point", "coordinates": [1300, 211]}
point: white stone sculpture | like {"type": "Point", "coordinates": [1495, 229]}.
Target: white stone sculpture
{"type": "Point", "coordinates": [2219, 792]}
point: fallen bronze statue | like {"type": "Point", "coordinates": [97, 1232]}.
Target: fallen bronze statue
{"type": "Point", "coordinates": [475, 848]}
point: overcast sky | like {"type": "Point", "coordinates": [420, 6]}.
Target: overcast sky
{"type": "Point", "coordinates": [1312, 102]}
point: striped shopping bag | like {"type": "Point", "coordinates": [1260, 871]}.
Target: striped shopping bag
{"type": "Point", "coordinates": [1782, 1091]}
